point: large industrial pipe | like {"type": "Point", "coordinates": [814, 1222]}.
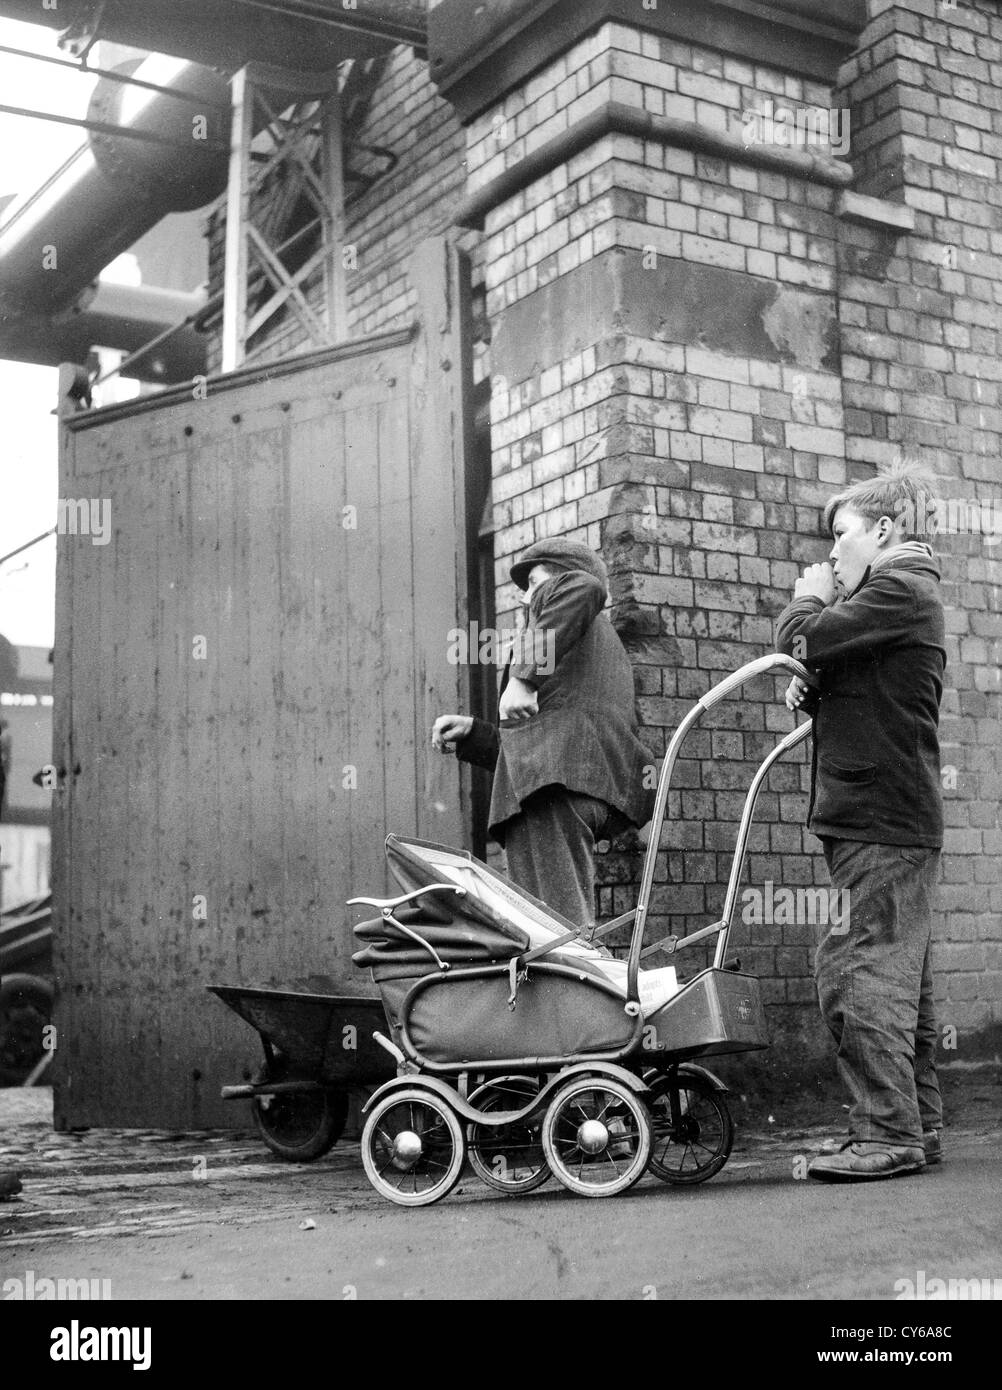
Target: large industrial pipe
{"type": "Point", "coordinates": [110, 192]}
{"type": "Point", "coordinates": [126, 317]}
{"type": "Point", "coordinates": [298, 34]}
{"type": "Point", "coordinates": [56, 240]}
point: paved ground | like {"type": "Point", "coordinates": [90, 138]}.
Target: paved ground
{"type": "Point", "coordinates": [216, 1216]}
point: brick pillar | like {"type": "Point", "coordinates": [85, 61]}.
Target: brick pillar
{"type": "Point", "coordinates": [923, 374]}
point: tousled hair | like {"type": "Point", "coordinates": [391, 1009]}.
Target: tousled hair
{"type": "Point", "coordinates": [905, 490]}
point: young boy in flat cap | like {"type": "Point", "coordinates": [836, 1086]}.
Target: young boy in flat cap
{"type": "Point", "coordinates": [568, 764]}
{"type": "Point", "coordinates": [872, 628]}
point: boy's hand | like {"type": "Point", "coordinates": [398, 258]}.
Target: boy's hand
{"type": "Point", "coordinates": [796, 693]}
{"type": "Point", "coordinates": [519, 701]}
{"type": "Point", "coordinates": [817, 581]}
{"type": "Point", "coordinates": [448, 729]}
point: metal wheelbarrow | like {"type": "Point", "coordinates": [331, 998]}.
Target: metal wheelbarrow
{"type": "Point", "coordinates": [318, 1048]}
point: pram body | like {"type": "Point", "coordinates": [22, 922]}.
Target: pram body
{"type": "Point", "coordinates": [582, 1064]}
{"type": "Point", "coordinates": [470, 1008]}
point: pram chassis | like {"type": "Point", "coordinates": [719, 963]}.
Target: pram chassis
{"type": "Point", "coordinates": [665, 1062]}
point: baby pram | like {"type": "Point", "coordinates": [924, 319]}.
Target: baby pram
{"type": "Point", "coordinates": [526, 1046]}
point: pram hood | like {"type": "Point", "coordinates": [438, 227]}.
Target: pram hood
{"type": "Point", "coordinates": [492, 921]}
{"type": "Point", "coordinates": [490, 897]}
{"type": "Point", "coordinates": [390, 953]}
{"type": "Point", "coordinates": [572, 1000]}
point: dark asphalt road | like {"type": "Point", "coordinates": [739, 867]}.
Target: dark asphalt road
{"type": "Point", "coordinates": [220, 1218]}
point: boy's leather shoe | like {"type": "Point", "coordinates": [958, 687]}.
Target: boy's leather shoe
{"type": "Point", "coordinates": [931, 1143]}
{"type": "Point", "coordinates": [866, 1162]}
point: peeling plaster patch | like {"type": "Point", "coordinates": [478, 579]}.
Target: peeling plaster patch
{"type": "Point", "coordinates": [798, 328]}
{"type": "Point", "coordinates": [612, 299]}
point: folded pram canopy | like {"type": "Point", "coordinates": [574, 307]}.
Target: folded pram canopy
{"type": "Point", "coordinates": [492, 922]}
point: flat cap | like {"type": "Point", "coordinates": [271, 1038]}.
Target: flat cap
{"type": "Point", "coordinates": [560, 554]}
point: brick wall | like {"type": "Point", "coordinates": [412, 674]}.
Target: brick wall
{"type": "Point", "coordinates": [590, 205]}
{"type": "Point", "coordinates": [700, 473]}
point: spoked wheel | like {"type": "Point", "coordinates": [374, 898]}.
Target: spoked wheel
{"type": "Point", "coordinates": [693, 1132]}
{"type": "Point", "coordinates": [301, 1126]}
{"type": "Point", "coordinates": [413, 1147]}
{"type": "Point", "coordinates": [508, 1158]}
{"type": "Point", "coordinates": [597, 1136]}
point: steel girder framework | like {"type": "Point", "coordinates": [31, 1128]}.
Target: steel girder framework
{"type": "Point", "coordinates": [281, 122]}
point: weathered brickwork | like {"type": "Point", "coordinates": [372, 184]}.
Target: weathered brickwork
{"type": "Point", "coordinates": [701, 474]}
{"type": "Point", "coordinates": [698, 473]}
{"type": "Point", "coordinates": [595, 201]}
{"type": "Point", "coordinates": [626, 448]}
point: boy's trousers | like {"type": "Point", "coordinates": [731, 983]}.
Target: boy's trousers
{"type": "Point", "coordinates": [875, 988]}
{"type": "Point", "coordinates": [550, 849]}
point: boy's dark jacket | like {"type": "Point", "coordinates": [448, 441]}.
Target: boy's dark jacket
{"type": "Point", "coordinates": [880, 656]}
{"type": "Point", "coordinates": [584, 736]}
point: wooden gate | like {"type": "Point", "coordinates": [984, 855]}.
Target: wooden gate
{"type": "Point", "coordinates": [247, 665]}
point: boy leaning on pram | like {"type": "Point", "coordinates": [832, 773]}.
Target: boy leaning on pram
{"type": "Point", "coordinates": [871, 627]}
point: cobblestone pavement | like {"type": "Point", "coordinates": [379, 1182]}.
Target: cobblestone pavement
{"type": "Point", "coordinates": [104, 1182]}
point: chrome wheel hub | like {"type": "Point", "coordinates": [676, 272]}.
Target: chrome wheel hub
{"type": "Point", "coordinates": [407, 1149]}
{"type": "Point", "coordinates": [592, 1137]}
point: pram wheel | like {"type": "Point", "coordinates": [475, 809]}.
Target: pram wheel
{"type": "Point", "coordinates": [508, 1158]}
{"type": "Point", "coordinates": [413, 1147]}
{"type": "Point", "coordinates": [597, 1136]}
{"type": "Point", "coordinates": [695, 1142]}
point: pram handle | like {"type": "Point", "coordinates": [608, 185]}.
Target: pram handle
{"type": "Point", "coordinates": [387, 904]}
{"type": "Point", "coordinates": [774, 662]}
{"type": "Point", "coordinates": [751, 669]}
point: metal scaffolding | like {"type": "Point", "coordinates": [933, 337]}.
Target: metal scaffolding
{"type": "Point", "coordinates": [281, 122]}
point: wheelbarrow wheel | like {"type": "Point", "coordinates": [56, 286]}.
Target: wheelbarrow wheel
{"type": "Point", "coordinates": [25, 1012]}
{"type": "Point", "coordinates": [696, 1143]}
{"type": "Point", "coordinates": [597, 1136]}
{"type": "Point", "coordinates": [300, 1126]}
{"type": "Point", "coordinates": [508, 1158]}
{"type": "Point", "coordinates": [413, 1147]}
